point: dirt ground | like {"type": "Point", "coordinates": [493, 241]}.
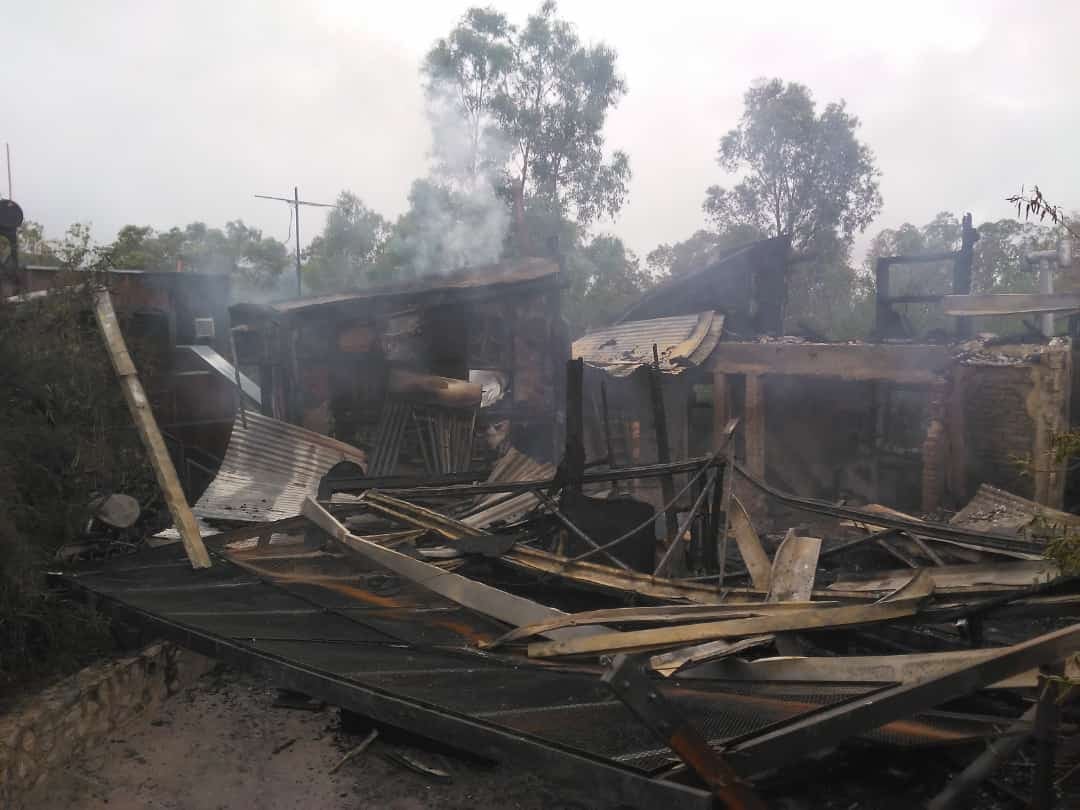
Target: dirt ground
{"type": "Point", "coordinates": [223, 745]}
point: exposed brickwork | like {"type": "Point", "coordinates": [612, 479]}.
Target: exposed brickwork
{"type": "Point", "coordinates": [39, 735]}
{"type": "Point", "coordinates": [999, 430]}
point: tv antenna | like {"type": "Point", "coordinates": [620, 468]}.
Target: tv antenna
{"type": "Point", "coordinates": [295, 202]}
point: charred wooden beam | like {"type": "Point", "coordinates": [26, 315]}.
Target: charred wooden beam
{"type": "Point", "coordinates": [911, 364]}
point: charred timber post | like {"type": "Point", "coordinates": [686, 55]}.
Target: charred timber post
{"type": "Point", "coordinates": [663, 450]}
{"type": "Point", "coordinates": [754, 434]}
{"type": "Point", "coordinates": [147, 426]}
{"type": "Point", "coordinates": [969, 235]}
{"type": "Point", "coordinates": [575, 434]}
{"type": "Point", "coordinates": [882, 311]}
{"type": "Point", "coordinates": [607, 424]}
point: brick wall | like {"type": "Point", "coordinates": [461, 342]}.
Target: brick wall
{"type": "Point", "coordinates": [40, 734]}
{"type": "Point", "coordinates": [999, 431]}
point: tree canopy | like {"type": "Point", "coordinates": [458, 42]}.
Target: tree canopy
{"type": "Point", "coordinates": [524, 109]}
{"type": "Point", "coordinates": [351, 241]}
{"type": "Point", "coordinates": [254, 260]}
{"type": "Point", "coordinates": [801, 173]}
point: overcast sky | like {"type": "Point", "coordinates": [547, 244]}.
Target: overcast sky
{"type": "Point", "coordinates": [161, 113]}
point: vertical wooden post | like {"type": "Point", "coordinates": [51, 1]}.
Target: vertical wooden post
{"type": "Point", "coordinates": [882, 309]}
{"type": "Point", "coordinates": [962, 265]}
{"type": "Point", "coordinates": [663, 450]}
{"type": "Point", "coordinates": [606, 417]}
{"type": "Point", "coordinates": [575, 419]}
{"type": "Point", "coordinates": [149, 432]}
{"type": "Point", "coordinates": [720, 409]}
{"type": "Point", "coordinates": [754, 416]}
{"type": "Point", "coordinates": [754, 435]}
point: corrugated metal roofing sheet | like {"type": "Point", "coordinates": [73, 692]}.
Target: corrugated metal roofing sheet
{"type": "Point", "coordinates": [269, 468]}
{"type": "Point", "coordinates": [681, 340]}
{"type": "Point", "coordinates": [513, 466]}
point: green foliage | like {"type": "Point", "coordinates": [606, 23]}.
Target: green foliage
{"type": "Point", "coordinates": [464, 73]}
{"type": "Point", "coordinates": [998, 265]}
{"type": "Point", "coordinates": [827, 299]}
{"type": "Point", "coordinates": [524, 109]}
{"type": "Point", "coordinates": [604, 277]}
{"type": "Point", "coordinates": [801, 173]}
{"type": "Point", "coordinates": [255, 261]}
{"type": "Point", "coordinates": [342, 256]}
{"type": "Point", "coordinates": [66, 435]}
{"type": "Point", "coordinates": [697, 252]}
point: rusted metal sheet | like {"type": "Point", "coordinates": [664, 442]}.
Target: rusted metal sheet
{"type": "Point", "coordinates": [682, 341]}
{"type": "Point", "coordinates": [269, 468]}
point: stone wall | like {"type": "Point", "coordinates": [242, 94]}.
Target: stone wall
{"type": "Point", "coordinates": [41, 733]}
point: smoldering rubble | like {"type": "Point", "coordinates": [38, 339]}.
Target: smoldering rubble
{"type": "Point", "coordinates": [677, 560]}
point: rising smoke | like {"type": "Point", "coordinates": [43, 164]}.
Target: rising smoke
{"type": "Point", "coordinates": [459, 217]}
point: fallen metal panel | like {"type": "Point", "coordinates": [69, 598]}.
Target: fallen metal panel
{"type": "Point", "coordinates": [357, 636]}
{"type": "Point", "coordinates": [269, 468]}
{"type": "Point", "coordinates": [682, 341]}
{"type": "Point", "coordinates": [210, 356]}
{"type": "Point", "coordinates": [603, 777]}
{"type": "Point", "coordinates": [506, 607]}
{"type": "Point", "coordinates": [806, 735]}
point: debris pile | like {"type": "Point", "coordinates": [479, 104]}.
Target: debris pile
{"type": "Point", "coordinates": [527, 583]}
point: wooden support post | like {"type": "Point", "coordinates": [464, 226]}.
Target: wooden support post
{"type": "Point", "coordinates": [574, 457]}
{"type": "Point", "coordinates": [883, 314]}
{"type": "Point", "coordinates": [606, 416]}
{"type": "Point", "coordinates": [663, 450]}
{"type": "Point", "coordinates": [754, 420]}
{"type": "Point", "coordinates": [720, 408]}
{"type": "Point", "coordinates": [149, 432]}
{"type": "Point", "coordinates": [962, 265]}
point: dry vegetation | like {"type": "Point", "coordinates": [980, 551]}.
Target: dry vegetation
{"type": "Point", "coordinates": [64, 436]}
